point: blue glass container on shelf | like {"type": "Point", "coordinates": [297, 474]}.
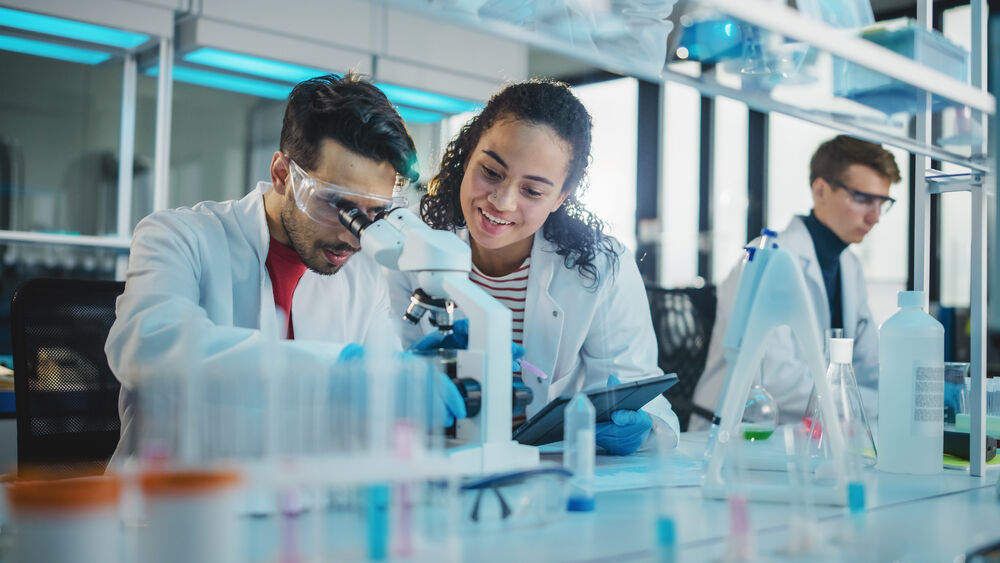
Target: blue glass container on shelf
{"type": "Point", "coordinates": [889, 95]}
{"type": "Point", "coordinates": [709, 40]}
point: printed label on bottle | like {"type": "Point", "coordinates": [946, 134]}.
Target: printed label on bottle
{"type": "Point", "coordinates": [928, 399]}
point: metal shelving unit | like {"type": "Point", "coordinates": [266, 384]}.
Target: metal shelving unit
{"type": "Point", "coordinates": [980, 184]}
{"type": "Point", "coordinates": [636, 17]}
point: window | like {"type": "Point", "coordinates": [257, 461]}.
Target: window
{"type": "Point", "coordinates": [59, 141]}
{"type": "Point", "coordinates": [613, 106]}
{"type": "Point", "coordinates": [681, 124]}
{"type": "Point", "coordinates": [729, 186]}
{"type": "Point", "coordinates": [884, 251]}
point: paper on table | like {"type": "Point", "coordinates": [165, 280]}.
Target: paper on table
{"type": "Point", "coordinates": [638, 471]}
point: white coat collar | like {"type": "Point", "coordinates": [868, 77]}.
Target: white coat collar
{"type": "Point", "coordinates": [543, 326]}
{"type": "Point", "coordinates": [544, 335]}
{"type": "Point", "coordinates": [253, 221]}
{"type": "Point", "coordinates": [796, 238]}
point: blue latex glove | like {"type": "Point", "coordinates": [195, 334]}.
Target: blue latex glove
{"type": "Point", "coordinates": [626, 432]}
{"type": "Point", "coordinates": [445, 390]}
{"type": "Point", "coordinates": [459, 339]}
{"type": "Point", "coordinates": [352, 351]}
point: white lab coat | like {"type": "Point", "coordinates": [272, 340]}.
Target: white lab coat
{"type": "Point", "coordinates": [785, 374]}
{"type": "Point", "coordinates": [577, 335]}
{"type": "Point", "coordinates": [197, 293]}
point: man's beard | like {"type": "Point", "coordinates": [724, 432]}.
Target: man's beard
{"type": "Point", "coordinates": [301, 244]}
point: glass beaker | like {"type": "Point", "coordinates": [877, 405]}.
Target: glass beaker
{"type": "Point", "coordinates": [955, 395]}
{"type": "Point", "coordinates": [760, 414]}
{"type": "Point", "coordinates": [754, 61]}
{"type": "Point", "coordinates": [846, 397]}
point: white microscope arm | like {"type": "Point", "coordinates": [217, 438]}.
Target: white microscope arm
{"type": "Point", "coordinates": [442, 261]}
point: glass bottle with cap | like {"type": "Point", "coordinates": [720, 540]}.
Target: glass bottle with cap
{"type": "Point", "coordinates": [193, 516]}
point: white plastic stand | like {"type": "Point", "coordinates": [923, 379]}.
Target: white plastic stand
{"type": "Point", "coordinates": [774, 293]}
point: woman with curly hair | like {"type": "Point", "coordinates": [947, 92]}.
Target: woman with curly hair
{"type": "Point", "coordinates": [509, 183]}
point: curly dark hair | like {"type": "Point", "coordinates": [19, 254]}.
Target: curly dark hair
{"type": "Point", "coordinates": [351, 111]}
{"type": "Point", "coordinates": [577, 233]}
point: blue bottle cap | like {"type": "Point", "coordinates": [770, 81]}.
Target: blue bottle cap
{"type": "Point", "coordinates": [856, 497]}
{"type": "Point", "coordinates": [666, 532]}
{"type": "Point", "coordinates": [768, 233]}
{"type": "Point", "coordinates": [580, 504]}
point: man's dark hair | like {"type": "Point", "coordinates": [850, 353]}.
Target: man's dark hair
{"type": "Point", "coordinates": [351, 111]}
{"type": "Point", "coordinates": [577, 233]}
{"type": "Point", "coordinates": [832, 159]}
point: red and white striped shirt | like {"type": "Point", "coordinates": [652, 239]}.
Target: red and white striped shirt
{"type": "Point", "coordinates": [509, 290]}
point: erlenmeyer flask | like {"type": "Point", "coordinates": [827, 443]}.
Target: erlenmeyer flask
{"type": "Point", "coordinates": [847, 400]}
{"type": "Point", "coordinates": [760, 415]}
{"type": "Point", "coordinates": [754, 61]}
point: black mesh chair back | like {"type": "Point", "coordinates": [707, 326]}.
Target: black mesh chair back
{"type": "Point", "coordinates": [66, 396]}
{"type": "Point", "coordinates": [683, 320]}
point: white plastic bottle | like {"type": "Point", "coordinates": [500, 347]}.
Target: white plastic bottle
{"type": "Point", "coordinates": [911, 389]}
{"type": "Point", "coordinates": [579, 451]}
{"type": "Point", "coordinates": [67, 520]}
{"type": "Point", "coordinates": [192, 516]}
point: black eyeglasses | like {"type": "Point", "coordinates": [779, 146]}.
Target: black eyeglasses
{"type": "Point", "coordinates": [883, 202]}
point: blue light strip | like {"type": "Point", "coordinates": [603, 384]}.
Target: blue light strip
{"type": "Point", "coordinates": [227, 82]}
{"type": "Point", "coordinates": [71, 29]}
{"type": "Point", "coordinates": [426, 100]}
{"type": "Point", "coordinates": [52, 50]}
{"type": "Point", "coordinates": [418, 115]}
{"type": "Point", "coordinates": [431, 106]}
{"type": "Point", "coordinates": [252, 65]}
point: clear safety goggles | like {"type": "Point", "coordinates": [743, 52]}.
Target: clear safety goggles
{"type": "Point", "coordinates": [322, 201]}
{"type": "Point", "coordinates": [528, 498]}
{"type": "Point", "coordinates": [883, 202]}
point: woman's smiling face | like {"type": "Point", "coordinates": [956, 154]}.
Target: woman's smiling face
{"type": "Point", "coordinates": [513, 180]}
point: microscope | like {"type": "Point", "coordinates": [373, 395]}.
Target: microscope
{"type": "Point", "coordinates": [772, 293]}
{"type": "Point", "coordinates": [399, 240]}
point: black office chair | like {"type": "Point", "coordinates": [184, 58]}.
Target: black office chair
{"type": "Point", "coordinates": [66, 396]}
{"type": "Point", "coordinates": [683, 320]}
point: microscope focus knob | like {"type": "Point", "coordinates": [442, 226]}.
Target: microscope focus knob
{"type": "Point", "coordinates": [472, 392]}
{"type": "Point", "coordinates": [521, 396]}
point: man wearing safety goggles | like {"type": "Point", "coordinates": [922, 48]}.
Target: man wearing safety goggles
{"type": "Point", "coordinates": [224, 287]}
{"type": "Point", "coordinates": [850, 182]}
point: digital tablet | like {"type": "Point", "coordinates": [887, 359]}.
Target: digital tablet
{"type": "Point", "coordinates": [547, 424]}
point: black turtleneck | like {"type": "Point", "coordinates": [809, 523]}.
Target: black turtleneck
{"type": "Point", "coordinates": [828, 248]}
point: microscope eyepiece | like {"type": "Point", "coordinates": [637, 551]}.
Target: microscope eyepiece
{"type": "Point", "coordinates": [353, 218]}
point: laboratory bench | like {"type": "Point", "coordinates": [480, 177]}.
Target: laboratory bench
{"type": "Point", "coordinates": [909, 518]}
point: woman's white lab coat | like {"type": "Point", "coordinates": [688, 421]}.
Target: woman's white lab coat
{"type": "Point", "coordinates": [577, 335]}
{"type": "Point", "coordinates": [198, 295]}
{"type": "Point", "coordinates": [784, 370]}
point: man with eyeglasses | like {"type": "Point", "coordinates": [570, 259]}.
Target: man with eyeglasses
{"type": "Point", "coordinates": [223, 286]}
{"type": "Point", "coordinates": [850, 182]}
